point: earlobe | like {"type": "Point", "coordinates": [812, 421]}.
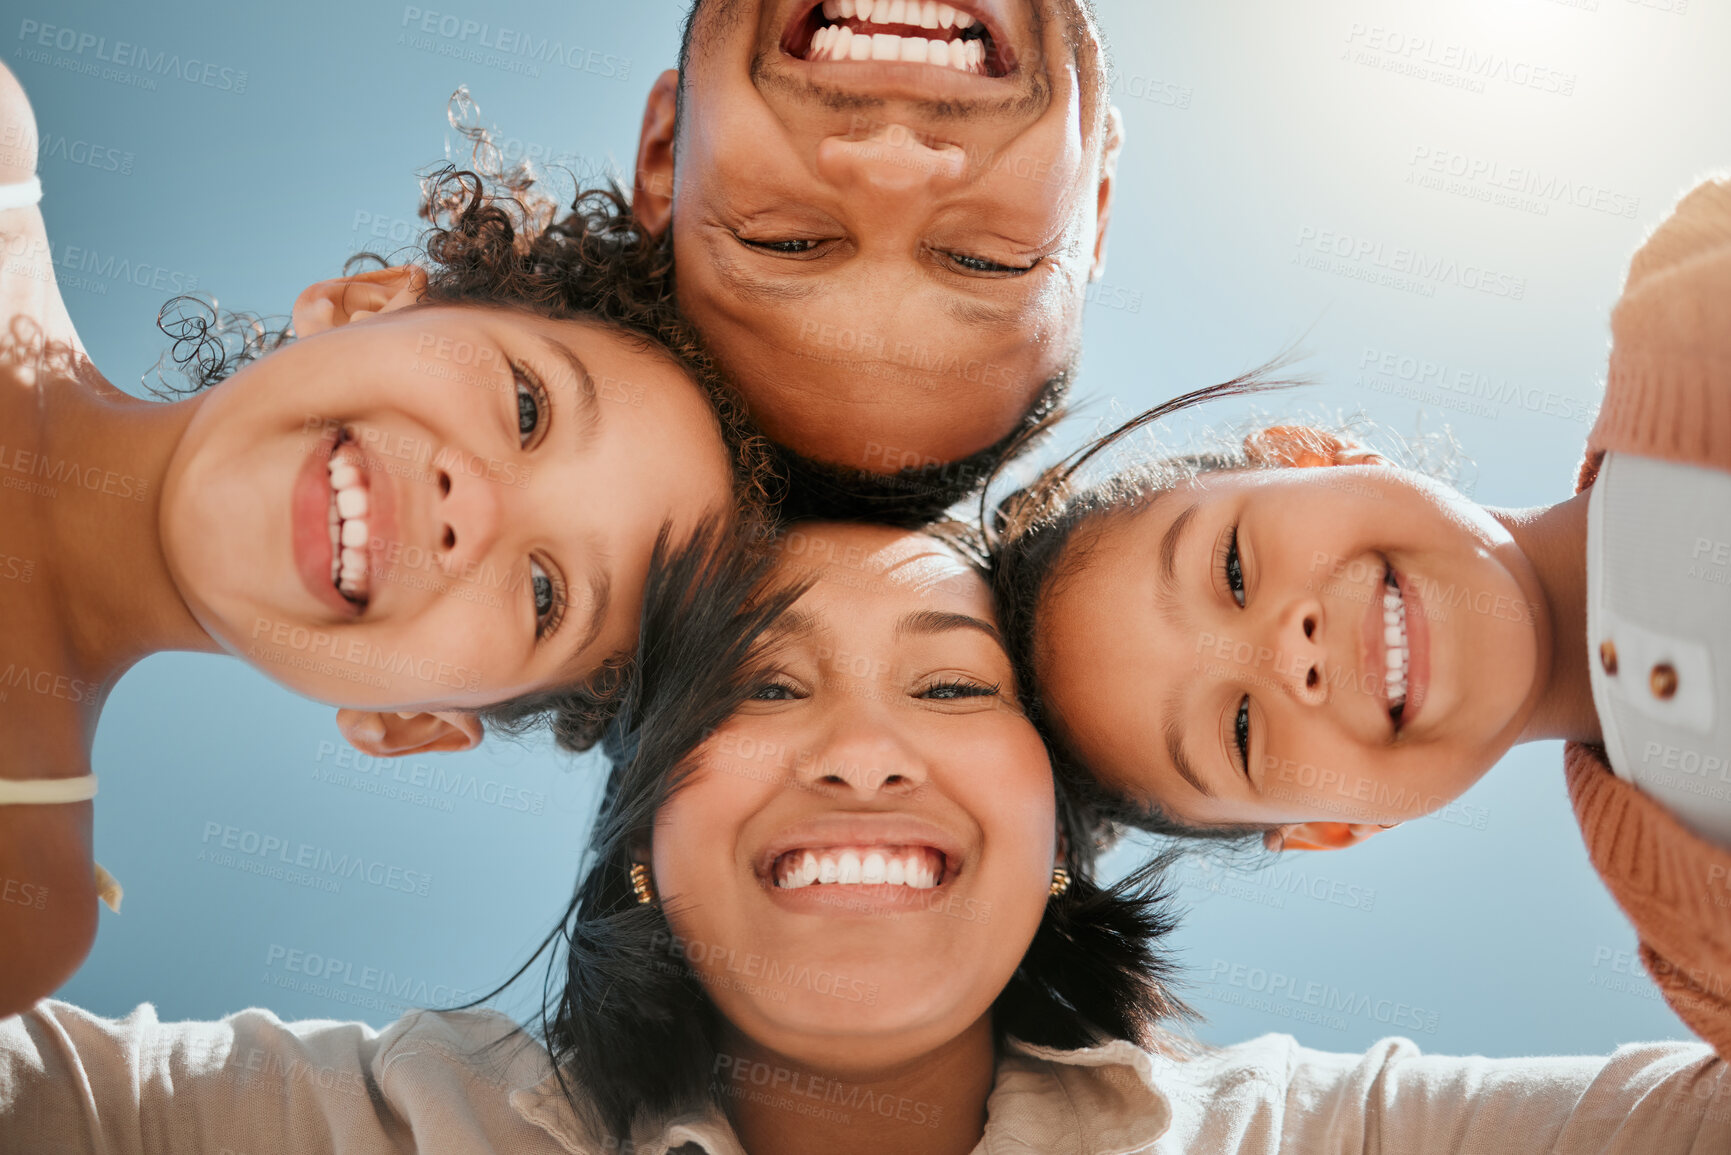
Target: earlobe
{"type": "Point", "coordinates": [1321, 835]}
{"type": "Point", "coordinates": [652, 192]}
{"type": "Point", "coordinates": [337, 302]}
{"type": "Point", "coordinates": [395, 735]}
{"type": "Point", "coordinates": [1304, 447]}
{"type": "Point", "coordinates": [1112, 146]}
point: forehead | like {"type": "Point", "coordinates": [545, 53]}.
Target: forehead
{"type": "Point", "coordinates": [863, 573]}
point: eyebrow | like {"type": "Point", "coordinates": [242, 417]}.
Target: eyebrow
{"type": "Point", "coordinates": [1175, 743]}
{"type": "Point", "coordinates": [588, 400]}
{"type": "Point", "coordinates": [1166, 586]}
{"type": "Point", "coordinates": [600, 598]}
{"type": "Point", "coordinates": [928, 622]}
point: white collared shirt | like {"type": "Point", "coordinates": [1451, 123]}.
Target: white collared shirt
{"type": "Point", "coordinates": [467, 1083]}
{"type": "Point", "coordinates": [1659, 632]}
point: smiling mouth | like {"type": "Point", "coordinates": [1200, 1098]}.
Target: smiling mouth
{"type": "Point", "coordinates": [917, 867]}
{"type": "Point", "coordinates": [1398, 653]}
{"type": "Point", "coordinates": [350, 504]}
{"type": "Point", "coordinates": [899, 31]}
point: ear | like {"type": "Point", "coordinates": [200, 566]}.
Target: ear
{"type": "Point", "coordinates": [1320, 835]}
{"type": "Point", "coordinates": [1108, 180]}
{"type": "Point", "coordinates": [652, 195]}
{"type": "Point", "coordinates": [394, 735]}
{"type": "Point", "coordinates": [334, 303]}
{"type": "Point", "coordinates": [1303, 446]}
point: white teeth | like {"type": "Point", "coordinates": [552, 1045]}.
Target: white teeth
{"type": "Point", "coordinates": [914, 49]}
{"type": "Point", "coordinates": [866, 7]}
{"type": "Point", "coordinates": [352, 502]}
{"type": "Point", "coordinates": [355, 535]}
{"type": "Point", "coordinates": [832, 9]}
{"type": "Point", "coordinates": [1393, 635]}
{"type": "Point", "coordinates": [1396, 658]}
{"type": "Point", "coordinates": [912, 868]}
{"type": "Point", "coordinates": [938, 52]}
{"type": "Point", "coordinates": [886, 47]}
{"type": "Point", "coordinates": [964, 20]}
{"type": "Point", "coordinates": [343, 475]}
{"type": "Point", "coordinates": [880, 12]}
{"type": "Point", "coordinates": [860, 47]}
{"type": "Point", "coordinates": [898, 13]}
{"type": "Point", "coordinates": [946, 16]}
{"type": "Point", "coordinates": [929, 14]}
{"type": "Point", "coordinates": [842, 46]}
{"type": "Point", "coordinates": [847, 867]}
{"type": "Point", "coordinates": [848, 9]}
{"type": "Point", "coordinates": [873, 870]}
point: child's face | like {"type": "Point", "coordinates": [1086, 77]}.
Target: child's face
{"type": "Point", "coordinates": [514, 473]}
{"type": "Point", "coordinates": [1166, 643]}
{"type": "Point", "coordinates": [886, 725]}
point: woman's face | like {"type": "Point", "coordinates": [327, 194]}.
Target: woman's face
{"type": "Point", "coordinates": [1353, 644]}
{"type": "Point", "coordinates": [862, 855]}
{"type": "Point", "coordinates": [437, 507]}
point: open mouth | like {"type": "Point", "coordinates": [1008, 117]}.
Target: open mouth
{"type": "Point", "coordinates": [916, 867]}
{"type": "Point", "coordinates": [1397, 650]}
{"type": "Point", "coordinates": [899, 31]}
{"type": "Point", "coordinates": [350, 505]}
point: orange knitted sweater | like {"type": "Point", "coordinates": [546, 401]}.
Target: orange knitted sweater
{"type": "Point", "coordinates": [1668, 395]}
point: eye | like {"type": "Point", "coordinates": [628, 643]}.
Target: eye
{"type": "Point", "coordinates": [1230, 565]}
{"type": "Point", "coordinates": [547, 587]}
{"type": "Point", "coordinates": [1241, 734]}
{"type": "Point", "coordinates": [796, 247]}
{"type": "Point", "coordinates": [958, 688]}
{"type": "Point", "coordinates": [532, 404]}
{"type": "Point", "coordinates": [983, 267]}
{"type": "Point", "coordinates": [775, 692]}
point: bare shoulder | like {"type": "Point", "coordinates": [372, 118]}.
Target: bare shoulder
{"type": "Point", "coordinates": [17, 130]}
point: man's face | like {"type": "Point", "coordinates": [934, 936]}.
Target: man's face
{"type": "Point", "coordinates": [888, 257]}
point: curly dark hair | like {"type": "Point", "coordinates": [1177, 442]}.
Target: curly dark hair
{"type": "Point", "coordinates": [625, 1017]}
{"type": "Point", "coordinates": [494, 240]}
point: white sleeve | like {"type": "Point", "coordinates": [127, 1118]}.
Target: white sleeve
{"type": "Point", "coordinates": [70, 1081]}
{"type": "Point", "coordinates": [1271, 1096]}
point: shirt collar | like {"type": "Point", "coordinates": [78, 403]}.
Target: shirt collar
{"type": "Point", "coordinates": [1098, 1100]}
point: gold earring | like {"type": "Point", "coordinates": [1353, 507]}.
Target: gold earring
{"type": "Point", "coordinates": [1060, 881]}
{"type": "Point", "coordinates": [640, 884]}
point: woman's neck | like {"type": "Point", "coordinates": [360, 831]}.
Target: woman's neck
{"type": "Point", "coordinates": [934, 1105]}
{"type": "Point", "coordinates": [1554, 540]}
{"type": "Point", "coordinates": [109, 453]}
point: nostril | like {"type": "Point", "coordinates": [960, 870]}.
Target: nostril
{"type": "Point", "coordinates": [450, 539]}
{"type": "Point", "coordinates": [1312, 678]}
{"type": "Point", "coordinates": [444, 484]}
{"type": "Point", "coordinates": [1310, 627]}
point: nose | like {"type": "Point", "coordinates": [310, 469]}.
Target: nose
{"type": "Point", "coordinates": [862, 756]}
{"type": "Point", "coordinates": [891, 167]}
{"type": "Point", "coordinates": [468, 511]}
{"type": "Point", "coordinates": [1300, 642]}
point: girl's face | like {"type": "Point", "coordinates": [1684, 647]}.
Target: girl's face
{"type": "Point", "coordinates": [862, 856]}
{"type": "Point", "coordinates": [440, 507]}
{"type": "Point", "coordinates": [1352, 645]}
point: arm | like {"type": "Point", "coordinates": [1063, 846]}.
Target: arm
{"type": "Point", "coordinates": [70, 1081]}
{"type": "Point", "coordinates": [28, 287]}
{"type": "Point", "coordinates": [1271, 1096]}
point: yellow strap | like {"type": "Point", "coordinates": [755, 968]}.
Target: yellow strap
{"type": "Point", "coordinates": [46, 791]}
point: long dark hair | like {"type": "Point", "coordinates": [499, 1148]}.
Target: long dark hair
{"type": "Point", "coordinates": [625, 1018]}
